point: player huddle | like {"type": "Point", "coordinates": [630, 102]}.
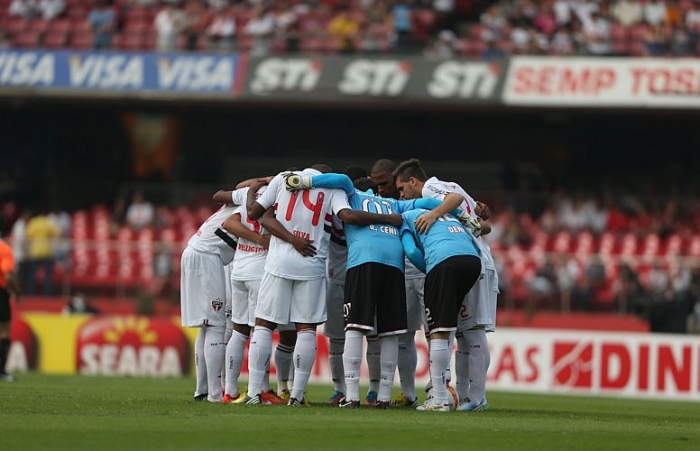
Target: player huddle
{"type": "Point", "coordinates": [373, 258]}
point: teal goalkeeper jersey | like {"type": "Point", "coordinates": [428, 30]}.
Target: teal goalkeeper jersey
{"type": "Point", "coordinates": [446, 238]}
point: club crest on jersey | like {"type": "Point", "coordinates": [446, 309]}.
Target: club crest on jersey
{"type": "Point", "coordinates": [217, 304]}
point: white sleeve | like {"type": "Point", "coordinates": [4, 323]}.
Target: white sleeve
{"type": "Point", "coordinates": [269, 197]}
{"type": "Point", "coordinates": [339, 201]}
{"type": "Point", "coordinates": [434, 191]}
{"type": "Point", "coordinates": [239, 196]}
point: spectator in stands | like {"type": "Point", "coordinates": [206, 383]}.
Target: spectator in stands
{"type": "Point", "coordinates": [595, 273]}
{"type": "Point", "coordinates": [583, 11]}
{"type": "Point", "coordinates": [402, 26]}
{"type": "Point", "coordinates": [222, 32]}
{"type": "Point", "coordinates": [562, 11]}
{"type": "Point", "coordinates": [20, 247]}
{"type": "Point", "coordinates": [521, 37]}
{"type": "Point", "coordinates": [493, 19]}
{"type": "Point", "coordinates": [218, 5]}
{"type": "Point", "coordinates": [261, 27]}
{"type": "Point", "coordinates": [582, 295]}
{"type": "Point", "coordinates": [655, 40]}
{"type": "Point", "coordinates": [627, 12]}
{"type": "Point", "coordinates": [596, 32]}
{"type": "Point", "coordinates": [655, 12]}
{"type": "Point", "coordinates": [169, 23]}
{"type": "Point", "coordinates": [344, 28]}
{"type": "Point", "coordinates": [546, 21]}
{"type": "Point", "coordinates": [629, 293]}
{"type": "Point", "coordinates": [4, 41]}
{"type": "Point", "coordinates": [567, 272]}
{"type": "Point", "coordinates": [287, 26]}
{"type": "Point", "coordinates": [543, 285]}
{"type": "Point", "coordinates": [78, 304]}
{"type": "Point", "coordinates": [197, 20]}
{"type": "Point", "coordinates": [101, 20]}
{"type": "Point", "coordinates": [50, 9]}
{"type": "Point", "coordinates": [61, 219]}
{"type": "Point", "coordinates": [140, 213]}
{"type": "Point", "coordinates": [445, 45]}
{"type": "Point", "coordinates": [26, 9]}
{"type": "Point", "coordinates": [40, 233]}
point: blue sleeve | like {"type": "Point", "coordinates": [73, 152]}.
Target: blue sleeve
{"type": "Point", "coordinates": [412, 252]}
{"type": "Point", "coordinates": [333, 181]}
{"type": "Point", "coordinates": [430, 203]}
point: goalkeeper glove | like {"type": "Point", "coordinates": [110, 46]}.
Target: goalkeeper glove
{"type": "Point", "coordinates": [294, 182]}
{"type": "Point", "coordinates": [471, 223]}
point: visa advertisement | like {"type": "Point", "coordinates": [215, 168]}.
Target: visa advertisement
{"type": "Point", "coordinates": [121, 72]}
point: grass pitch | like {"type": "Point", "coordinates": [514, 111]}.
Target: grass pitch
{"type": "Point", "coordinates": [101, 413]}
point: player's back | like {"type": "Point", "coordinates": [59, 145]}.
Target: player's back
{"type": "Point", "coordinates": [210, 238]}
{"type": "Point", "coordinates": [306, 214]}
{"type": "Point", "coordinates": [446, 238]}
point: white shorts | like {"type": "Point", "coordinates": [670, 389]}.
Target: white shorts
{"type": "Point", "coordinates": [479, 305]}
{"type": "Point", "coordinates": [244, 299]}
{"type": "Point", "coordinates": [202, 289]}
{"type": "Point", "coordinates": [415, 307]}
{"type": "Point", "coordinates": [335, 324]}
{"type": "Point", "coordinates": [284, 301]}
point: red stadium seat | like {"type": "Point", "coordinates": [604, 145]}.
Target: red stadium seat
{"type": "Point", "coordinates": [26, 39]}
{"type": "Point", "coordinates": [81, 41]}
{"type": "Point", "coordinates": [55, 40]}
{"type": "Point", "coordinates": [133, 41]}
{"type": "Point", "coordinates": [64, 25]}
{"type": "Point", "coordinates": [39, 25]}
{"type": "Point", "coordinates": [16, 26]}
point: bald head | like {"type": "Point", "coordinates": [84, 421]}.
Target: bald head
{"type": "Point", "coordinates": [381, 175]}
{"type": "Point", "coordinates": [322, 168]}
{"type": "Point", "coordinates": [383, 165]}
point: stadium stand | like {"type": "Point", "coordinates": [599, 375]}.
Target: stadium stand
{"type": "Point", "coordinates": [445, 29]}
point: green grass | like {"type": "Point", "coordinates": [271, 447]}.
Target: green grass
{"type": "Point", "coordinates": [101, 413]}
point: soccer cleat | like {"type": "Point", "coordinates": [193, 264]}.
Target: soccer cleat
{"type": "Point", "coordinates": [468, 406]}
{"type": "Point", "coordinates": [227, 399]}
{"type": "Point", "coordinates": [270, 397]}
{"type": "Point", "coordinates": [347, 404]}
{"type": "Point", "coordinates": [384, 405]}
{"type": "Point", "coordinates": [285, 395]}
{"type": "Point", "coordinates": [336, 397]}
{"type": "Point", "coordinates": [251, 401]}
{"type": "Point", "coordinates": [10, 378]}
{"type": "Point", "coordinates": [296, 402]}
{"type": "Point", "coordinates": [431, 406]}
{"type": "Point", "coordinates": [403, 401]}
{"type": "Point", "coordinates": [201, 397]}
{"type": "Point", "coordinates": [242, 398]}
{"type": "Point", "coordinates": [371, 398]}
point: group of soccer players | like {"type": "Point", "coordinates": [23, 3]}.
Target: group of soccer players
{"type": "Point", "coordinates": [373, 258]}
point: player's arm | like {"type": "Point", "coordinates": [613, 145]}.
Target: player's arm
{"type": "Point", "coordinates": [272, 225]}
{"type": "Point", "coordinates": [249, 182]}
{"type": "Point", "coordinates": [485, 227]}
{"type": "Point", "coordinates": [482, 210]}
{"type": "Point", "coordinates": [255, 209]}
{"type": "Point", "coordinates": [234, 225]}
{"type": "Point", "coordinates": [363, 218]}
{"type": "Point", "coordinates": [412, 252]}
{"type": "Point", "coordinates": [222, 197]}
{"type": "Point", "coordinates": [449, 203]}
{"type": "Point", "coordinates": [13, 285]}
{"type": "Point", "coordinates": [331, 181]}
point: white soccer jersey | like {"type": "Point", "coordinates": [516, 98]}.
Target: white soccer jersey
{"type": "Point", "coordinates": [336, 265]}
{"type": "Point", "coordinates": [438, 189]}
{"type": "Point", "coordinates": [212, 239]}
{"type": "Point", "coordinates": [249, 262]}
{"type": "Point", "coordinates": [307, 214]}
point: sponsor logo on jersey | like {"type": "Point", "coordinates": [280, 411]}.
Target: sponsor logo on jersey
{"type": "Point", "coordinates": [375, 77]}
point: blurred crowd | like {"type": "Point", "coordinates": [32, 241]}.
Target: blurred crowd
{"type": "Point", "coordinates": [441, 28]}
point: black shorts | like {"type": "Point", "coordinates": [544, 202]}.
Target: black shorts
{"type": "Point", "coordinates": [446, 285]}
{"type": "Point", "coordinates": [375, 289]}
{"type": "Point", "coordinates": [5, 315]}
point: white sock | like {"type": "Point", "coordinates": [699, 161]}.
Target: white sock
{"type": "Point", "coordinates": [335, 361]}
{"type": "Point", "coordinates": [227, 338]}
{"type": "Point", "coordinates": [235, 350]}
{"type": "Point", "coordinates": [214, 355]}
{"type": "Point", "coordinates": [407, 363]}
{"type": "Point", "coordinates": [448, 368]}
{"type": "Point", "coordinates": [439, 359]}
{"type": "Point", "coordinates": [389, 357]}
{"type": "Point", "coordinates": [479, 361]}
{"type": "Point", "coordinates": [259, 353]}
{"type": "Point", "coordinates": [304, 358]}
{"type": "Point", "coordinates": [374, 365]}
{"type": "Point", "coordinates": [283, 364]}
{"type": "Point", "coordinates": [352, 359]}
{"type": "Point", "coordinates": [462, 368]}
{"type": "Point", "coordinates": [200, 363]}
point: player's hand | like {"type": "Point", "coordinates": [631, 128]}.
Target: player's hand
{"type": "Point", "coordinates": [474, 225]}
{"type": "Point", "coordinates": [304, 246]}
{"type": "Point", "coordinates": [424, 222]}
{"type": "Point", "coordinates": [295, 182]}
{"type": "Point", "coordinates": [482, 210]}
{"type": "Point", "coordinates": [395, 219]}
{"type": "Point", "coordinates": [264, 241]}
